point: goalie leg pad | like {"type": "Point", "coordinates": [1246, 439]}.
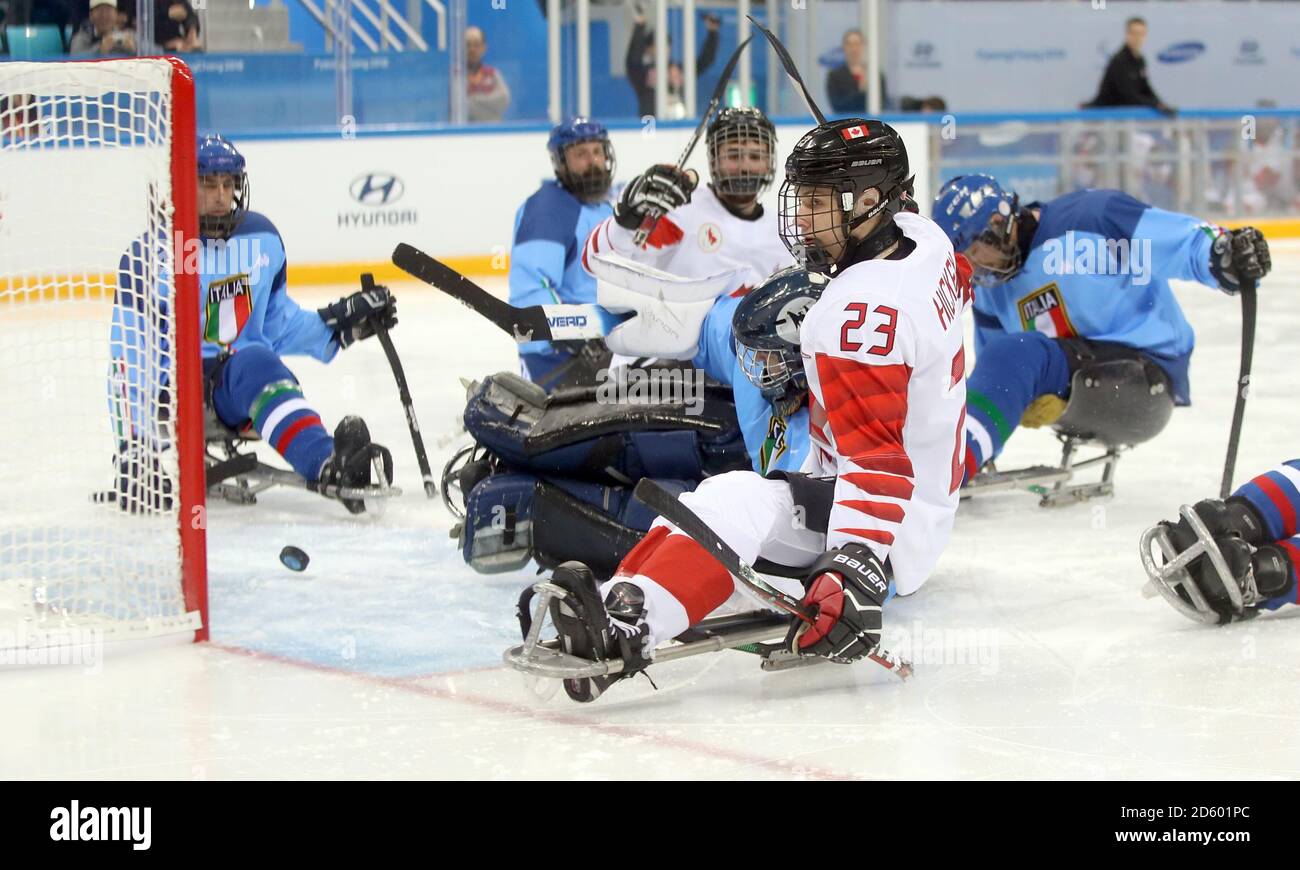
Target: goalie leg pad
{"type": "Point", "coordinates": [577, 435]}
{"type": "Point", "coordinates": [513, 517]}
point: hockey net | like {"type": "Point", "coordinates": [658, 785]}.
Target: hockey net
{"type": "Point", "coordinates": [101, 459]}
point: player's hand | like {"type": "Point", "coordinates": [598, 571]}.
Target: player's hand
{"type": "Point", "coordinates": [846, 589]}
{"type": "Point", "coordinates": [1239, 254]}
{"type": "Point", "coordinates": [658, 190]}
{"type": "Point", "coordinates": [353, 318]}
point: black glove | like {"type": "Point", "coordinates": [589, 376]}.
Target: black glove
{"type": "Point", "coordinates": [1239, 254]}
{"type": "Point", "coordinates": [846, 589]}
{"type": "Point", "coordinates": [659, 190]}
{"type": "Point", "coordinates": [354, 317]}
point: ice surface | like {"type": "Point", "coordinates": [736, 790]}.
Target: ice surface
{"type": "Point", "coordinates": [1036, 654]}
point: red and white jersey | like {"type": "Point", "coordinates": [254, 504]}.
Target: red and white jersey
{"type": "Point", "coordinates": [701, 238]}
{"type": "Point", "coordinates": [887, 376]}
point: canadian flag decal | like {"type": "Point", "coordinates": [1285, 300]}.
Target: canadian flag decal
{"type": "Point", "coordinates": [857, 131]}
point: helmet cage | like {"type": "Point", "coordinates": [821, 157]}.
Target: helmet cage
{"type": "Point", "coordinates": [741, 128]}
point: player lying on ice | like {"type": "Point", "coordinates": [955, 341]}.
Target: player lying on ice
{"type": "Point", "coordinates": [1243, 552]}
{"type": "Point", "coordinates": [887, 401]}
{"type": "Point", "coordinates": [1080, 283]}
{"type": "Point", "coordinates": [248, 322]}
{"type": "Point", "coordinates": [687, 283]}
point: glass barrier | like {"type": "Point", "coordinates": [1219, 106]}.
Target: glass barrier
{"type": "Point", "coordinates": [1215, 163]}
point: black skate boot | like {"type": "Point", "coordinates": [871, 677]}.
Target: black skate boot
{"type": "Point", "coordinates": [350, 464]}
{"type": "Point", "coordinates": [598, 630]}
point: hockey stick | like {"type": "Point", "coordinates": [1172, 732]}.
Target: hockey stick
{"type": "Point", "coordinates": [664, 503]}
{"type": "Point", "coordinates": [1248, 306]}
{"type": "Point", "coordinates": [562, 322]}
{"type": "Point", "coordinates": [790, 70]}
{"type": "Point", "coordinates": [719, 91]}
{"type": "Point", "coordinates": [404, 393]}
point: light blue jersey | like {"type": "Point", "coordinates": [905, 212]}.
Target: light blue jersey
{"type": "Point", "coordinates": [1099, 268]}
{"type": "Point", "coordinates": [551, 228]}
{"type": "Point", "coordinates": [243, 301]}
{"type": "Point", "coordinates": [774, 442]}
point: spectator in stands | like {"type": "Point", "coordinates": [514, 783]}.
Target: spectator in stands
{"type": "Point", "coordinates": [103, 34]}
{"type": "Point", "coordinates": [488, 94]}
{"type": "Point", "coordinates": [1125, 82]}
{"type": "Point", "coordinates": [641, 66]}
{"type": "Point", "coordinates": [846, 85]}
{"type": "Point", "coordinates": [176, 26]}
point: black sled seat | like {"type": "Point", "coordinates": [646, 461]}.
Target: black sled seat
{"type": "Point", "coordinates": [1114, 405]}
{"type": "Point", "coordinates": [233, 474]}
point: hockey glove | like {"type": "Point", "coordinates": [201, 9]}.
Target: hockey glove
{"type": "Point", "coordinates": [846, 589]}
{"type": "Point", "coordinates": [658, 191]}
{"type": "Point", "coordinates": [1239, 254]}
{"type": "Point", "coordinates": [354, 317]}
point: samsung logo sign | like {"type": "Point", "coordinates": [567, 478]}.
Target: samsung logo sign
{"type": "Point", "coordinates": [1182, 52]}
{"type": "Point", "coordinates": [377, 189]}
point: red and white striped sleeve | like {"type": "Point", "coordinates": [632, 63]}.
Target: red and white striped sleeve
{"type": "Point", "coordinates": [862, 364]}
{"type": "Point", "coordinates": [609, 236]}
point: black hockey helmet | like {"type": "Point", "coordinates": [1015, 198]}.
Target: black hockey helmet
{"type": "Point", "coordinates": [765, 331]}
{"type": "Point", "coordinates": [846, 158]}
{"type": "Point", "coordinates": [735, 126]}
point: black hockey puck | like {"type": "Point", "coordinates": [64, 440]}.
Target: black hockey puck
{"type": "Point", "coordinates": [294, 559]}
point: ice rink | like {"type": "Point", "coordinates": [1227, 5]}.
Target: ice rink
{"type": "Point", "coordinates": [1035, 653]}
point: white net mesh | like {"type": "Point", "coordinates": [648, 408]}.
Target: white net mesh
{"type": "Point", "coordinates": [89, 532]}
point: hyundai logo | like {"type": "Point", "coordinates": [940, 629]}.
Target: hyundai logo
{"type": "Point", "coordinates": [1181, 52]}
{"type": "Point", "coordinates": [377, 188]}
{"type": "Point", "coordinates": [922, 49]}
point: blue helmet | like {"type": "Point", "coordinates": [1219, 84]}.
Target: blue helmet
{"type": "Point", "coordinates": [765, 335]}
{"type": "Point", "coordinates": [965, 208]}
{"type": "Point", "coordinates": [593, 184]}
{"type": "Point", "coordinates": [217, 156]}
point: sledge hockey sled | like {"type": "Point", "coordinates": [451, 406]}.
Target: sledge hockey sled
{"type": "Point", "coordinates": [236, 474]}
{"type": "Point", "coordinates": [1114, 406]}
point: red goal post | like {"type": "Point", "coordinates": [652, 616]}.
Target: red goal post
{"type": "Point", "coordinates": [101, 454]}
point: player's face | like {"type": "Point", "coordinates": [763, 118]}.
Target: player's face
{"type": "Point", "coordinates": [217, 194]}
{"type": "Point", "coordinates": [989, 255]}
{"type": "Point", "coordinates": [819, 219]}
{"type": "Point", "coordinates": [743, 158]}
{"type": "Point", "coordinates": [586, 157]}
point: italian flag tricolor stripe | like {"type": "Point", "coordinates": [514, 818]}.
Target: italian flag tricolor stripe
{"type": "Point", "coordinates": [1052, 322]}
{"type": "Point", "coordinates": [225, 319]}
